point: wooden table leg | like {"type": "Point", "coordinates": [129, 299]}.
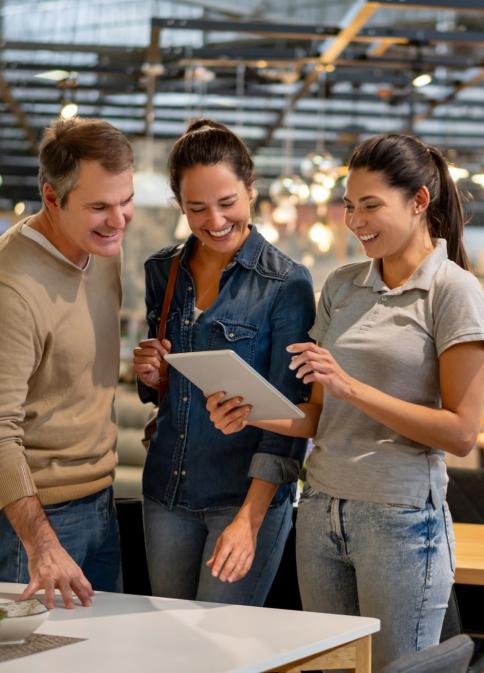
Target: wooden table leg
{"type": "Point", "coordinates": [355, 655]}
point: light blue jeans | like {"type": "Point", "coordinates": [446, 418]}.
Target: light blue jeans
{"type": "Point", "coordinates": [386, 561]}
{"type": "Point", "coordinates": [179, 542]}
{"type": "Point", "coordinates": [87, 529]}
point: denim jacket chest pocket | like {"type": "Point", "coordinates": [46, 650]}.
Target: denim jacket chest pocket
{"type": "Point", "coordinates": [239, 337]}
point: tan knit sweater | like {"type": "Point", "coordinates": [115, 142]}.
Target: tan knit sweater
{"type": "Point", "coordinates": [59, 364]}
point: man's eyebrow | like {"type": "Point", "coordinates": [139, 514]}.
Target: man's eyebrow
{"type": "Point", "coordinates": [90, 204]}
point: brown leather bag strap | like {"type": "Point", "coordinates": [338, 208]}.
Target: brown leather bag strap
{"type": "Point", "coordinates": [170, 289]}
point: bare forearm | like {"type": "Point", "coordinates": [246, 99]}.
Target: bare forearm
{"type": "Point", "coordinates": [294, 427]}
{"type": "Point", "coordinates": [436, 428]}
{"type": "Point", "coordinates": [29, 521]}
{"type": "Point", "coordinates": [257, 501]}
{"type": "Point", "coordinates": [50, 566]}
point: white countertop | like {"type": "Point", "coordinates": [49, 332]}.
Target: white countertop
{"type": "Point", "coordinates": [129, 633]}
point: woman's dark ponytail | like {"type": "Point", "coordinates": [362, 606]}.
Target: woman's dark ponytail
{"type": "Point", "coordinates": [445, 213]}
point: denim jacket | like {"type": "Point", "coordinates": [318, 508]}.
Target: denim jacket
{"type": "Point", "coordinates": [265, 302]}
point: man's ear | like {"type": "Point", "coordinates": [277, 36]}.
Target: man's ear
{"type": "Point", "coordinates": [50, 198]}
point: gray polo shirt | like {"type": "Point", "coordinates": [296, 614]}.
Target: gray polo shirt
{"type": "Point", "coordinates": [391, 340]}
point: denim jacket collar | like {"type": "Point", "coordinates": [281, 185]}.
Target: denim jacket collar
{"type": "Point", "coordinates": [249, 256]}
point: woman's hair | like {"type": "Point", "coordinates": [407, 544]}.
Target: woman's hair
{"type": "Point", "coordinates": [206, 143]}
{"type": "Point", "coordinates": [408, 164]}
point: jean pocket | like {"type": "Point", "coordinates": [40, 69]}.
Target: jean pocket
{"type": "Point", "coordinates": [449, 534]}
{"type": "Point", "coordinates": [408, 508]}
{"type": "Point", "coordinates": [58, 507]}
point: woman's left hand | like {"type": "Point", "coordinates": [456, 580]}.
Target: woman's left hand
{"type": "Point", "coordinates": [315, 364]}
{"type": "Point", "coordinates": [229, 416]}
{"type": "Point", "coordinates": [234, 551]}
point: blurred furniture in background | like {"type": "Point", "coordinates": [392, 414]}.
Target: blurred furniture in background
{"type": "Point", "coordinates": [450, 656]}
{"type": "Point", "coordinates": [469, 545]}
{"type": "Point", "coordinates": [465, 496]}
{"type": "Point", "coordinates": [131, 415]}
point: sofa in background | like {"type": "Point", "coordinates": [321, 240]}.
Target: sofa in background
{"type": "Point", "coordinates": [131, 416]}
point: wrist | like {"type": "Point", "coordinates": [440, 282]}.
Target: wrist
{"type": "Point", "coordinates": [353, 391]}
{"type": "Point", "coordinates": [250, 518]}
{"type": "Point", "coordinates": [45, 539]}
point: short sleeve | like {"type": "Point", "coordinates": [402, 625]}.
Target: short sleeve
{"type": "Point", "coordinates": [323, 312]}
{"type": "Point", "coordinates": [458, 309]}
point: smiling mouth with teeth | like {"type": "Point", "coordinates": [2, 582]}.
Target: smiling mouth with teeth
{"type": "Point", "coordinates": [221, 233]}
{"type": "Point", "coordinates": [115, 233]}
{"type": "Point", "coordinates": [368, 237]}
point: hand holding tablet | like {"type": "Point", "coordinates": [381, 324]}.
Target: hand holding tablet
{"type": "Point", "coordinates": [213, 371]}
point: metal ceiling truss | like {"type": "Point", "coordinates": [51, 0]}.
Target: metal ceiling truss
{"type": "Point", "coordinates": [308, 83]}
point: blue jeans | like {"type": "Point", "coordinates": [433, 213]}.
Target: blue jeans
{"type": "Point", "coordinates": [87, 529]}
{"type": "Point", "coordinates": [386, 561]}
{"type": "Point", "coordinates": [179, 542]}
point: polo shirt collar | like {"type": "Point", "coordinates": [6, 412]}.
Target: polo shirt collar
{"type": "Point", "coordinates": [420, 279]}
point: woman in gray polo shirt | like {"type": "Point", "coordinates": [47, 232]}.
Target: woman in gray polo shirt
{"type": "Point", "coordinates": [400, 357]}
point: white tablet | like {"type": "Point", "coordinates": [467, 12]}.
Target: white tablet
{"type": "Point", "coordinates": [225, 370]}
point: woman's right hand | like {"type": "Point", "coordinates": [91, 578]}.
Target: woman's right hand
{"type": "Point", "coordinates": [229, 416]}
{"type": "Point", "coordinates": [148, 362]}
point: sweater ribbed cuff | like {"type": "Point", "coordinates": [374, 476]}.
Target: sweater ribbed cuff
{"type": "Point", "coordinates": [16, 484]}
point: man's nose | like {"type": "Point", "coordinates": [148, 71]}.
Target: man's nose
{"type": "Point", "coordinates": [117, 218]}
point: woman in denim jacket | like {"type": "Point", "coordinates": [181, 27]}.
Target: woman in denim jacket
{"type": "Point", "coordinates": [217, 509]}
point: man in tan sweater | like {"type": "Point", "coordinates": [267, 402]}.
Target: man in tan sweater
{"type": "Point", "coordinates": [60, 295]}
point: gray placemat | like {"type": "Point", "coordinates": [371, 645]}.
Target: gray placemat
{"type": "Point", "coordinates": [36, 643]}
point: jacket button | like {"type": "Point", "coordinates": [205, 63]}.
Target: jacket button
{"type": "Point", "coordinates": [183, 473]}
{"type": "Point", "coordinates": [175, 472]}
{"type": "Point", "coordinates": [182, 435]}
{"type": "Point", "coordinates": [186, 322]}
{"type": "Point", "coordinates": [185, 399]}
{"type": "Point", "coordinates": [231, 335]}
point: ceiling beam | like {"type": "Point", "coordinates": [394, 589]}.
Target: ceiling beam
{"type": "Point", "coordinates": [152, 69]}
{"type": "Point", "coordinates": [69, 47]}
{"type": "Point", "coordinates": [273, 30]}
{"type": "Point", "coordinates": [351, 24]}
{"type": "Point", "coordinates": [21, 117]}
{"type": "Point", "coordinates": [456, 5]}
{"type": "Point", "coordinates": [434, 104]}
